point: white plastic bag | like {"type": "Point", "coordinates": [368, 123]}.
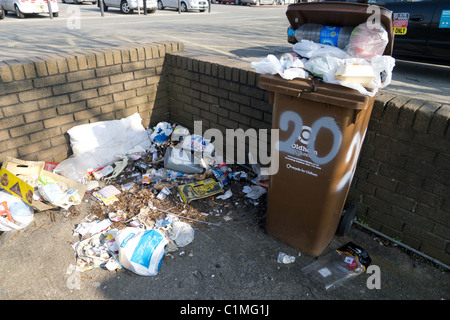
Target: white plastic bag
{"type": "Point", "coordinates": [183, 233]}
{"type": "Point", "coordinates": [382, 65]}
{"type": "Point", "coordinates": [73, 168]}
{"type": "Point", "coordinates": [141, 251]}
{"type": "Point", "coordinates": [272, 65]}
{"type": "Point", "coordinates": [269, 65]}
{"type": "Point", "coordinates": [21, 213]}
{"type": "Point", "coordinates": [309, 49]}
{"type": "Point", "coordinates": [97, 143]}
{"type": "Point", "coordinates": [321, 66]}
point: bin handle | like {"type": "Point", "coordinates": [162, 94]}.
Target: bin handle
{"type": "Point", "coordinates": [312, 89]}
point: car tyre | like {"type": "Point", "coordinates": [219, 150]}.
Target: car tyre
{"type": "Point", "coordinates": [19, 13]}
{"type": "Point", "coordinates": [151, 11]}
{"type": "Point", "coordinates": [184, 7]}
{"type": "Point", "coordinates": [2, 13]}
{"type": "Point", "coordinates": [125, 8]}
{"type": "Point", "coordinates": [55, 14]}
{"type": "Point", "coordinates": [160, 5]}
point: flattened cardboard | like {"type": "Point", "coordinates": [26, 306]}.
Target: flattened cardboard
{"type": "Point", "coordinates": [199, 190]}
{"type": "Point", "coordinates": [16, 186]}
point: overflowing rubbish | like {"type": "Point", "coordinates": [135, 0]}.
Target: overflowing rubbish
{"type": "Point", "coordinates": [348, 56]}
{"type": "Point", "coordinates": [338, 266]}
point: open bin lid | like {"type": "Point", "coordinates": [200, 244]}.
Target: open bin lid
{"type": "Point", "coordinates": [315, 90]}
{"type": "Point", "coordinates": [339, 14]}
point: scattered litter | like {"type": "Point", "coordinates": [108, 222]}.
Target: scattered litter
{"type": "Point", "coordinates": [107, 194]}
{"type": "Point", "coordinates": [14, 213]}
{"type": "Point", "coordinates": [284, 258]}
{"type": "Point", "coordinates": [338, 266]}
{"type": "Point", "coordinates": [199, 190]}
{"type": "Point", "coordinates": [226, 195]}
{"type": "Point", "coordinates": [142, 198]}
{"type": "Point", "coordinates": [256, 192]}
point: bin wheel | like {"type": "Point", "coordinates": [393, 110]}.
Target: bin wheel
{"type": "Point", "coordinates": [346, 222]}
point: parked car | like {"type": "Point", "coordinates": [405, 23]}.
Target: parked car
{"type": "Point", "coordinates": [78, 1]}
{"type": "Point", "coordinates": [229, 1]}
{"type": "Point", "coordinates": [258, 2]}
{"type": "Point", "coordinates": [421, 28]}
{"type": "Point", "coordinates": [186, 5]}
{"type": "Point", "coordinates": [24, 7]}
{"type": "Point", "coordinates": [128, 6]}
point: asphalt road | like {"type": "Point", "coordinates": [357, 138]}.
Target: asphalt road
{"type": "Point", "coordinates": [235, 31]}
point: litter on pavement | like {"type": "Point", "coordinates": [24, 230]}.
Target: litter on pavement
{"type": "Point", "coordinates": [148, 190]}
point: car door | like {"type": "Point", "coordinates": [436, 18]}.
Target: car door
{"type": "Point", "coordinates": [412, 22]}
{"type": "Point", "coordinates": [170, 3]}
{"type": "Point", "coordinates": [438, 45]}
{"type": "Point", "coordinates": [8, 5]}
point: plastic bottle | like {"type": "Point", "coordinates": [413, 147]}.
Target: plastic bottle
{"type": "Point", "coordinates": [334, 36]}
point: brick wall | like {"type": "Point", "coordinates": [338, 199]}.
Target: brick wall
{"type": "Point", "coordinates": [43, 97]}
{"type": "Point", "coordinates": [401, 185]}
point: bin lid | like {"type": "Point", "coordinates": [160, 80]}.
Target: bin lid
{"type": "Point", "coordinates": [316, 90]}
{"type": "Point", "coordinates": [339, 14]}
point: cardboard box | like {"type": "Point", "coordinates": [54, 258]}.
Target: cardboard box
{"type": "Point", "coordinates": [15, 171]}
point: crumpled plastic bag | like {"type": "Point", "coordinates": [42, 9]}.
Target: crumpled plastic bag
{"type": "Point", "coordinates": [183, 233]}
{"type": "Point", "coordinates": [382, 66]}
{"type": "Point", "coordinates": [367, 42]}
{"type": "Point", "coordinates": [321, 66]}
{"type": "Point", "coordinates": [162, 132]}
{"type": "Point", "coordinates": [141, 251]}
{"type": "Point", "coordinates": [310, 49]}
{"type": "Point", "coordinates": [272, 65]}
{"type": "Point", "coordinates": [21, 213]}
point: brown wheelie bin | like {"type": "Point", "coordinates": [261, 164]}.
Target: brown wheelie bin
{"type": "Point", "coordinates": [321, 130]}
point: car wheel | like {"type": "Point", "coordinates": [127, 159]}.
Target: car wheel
{"type": "Point", "coordinates": [151, 11]}
{"type": "Point", "coordinates": [184, 7]}
{"type": "Point", "coordinates": [125, 8]}
{"type": "Point", "coordinates": [55, 14]}
{"type": "Point", "coordinates": [63, 1]}
{"type": "Point", "coordinates": [160, 5]}
{"type": "Point", "coordinates": [2, 13]}
{"type": "Point", "coordinates": [19, 14]}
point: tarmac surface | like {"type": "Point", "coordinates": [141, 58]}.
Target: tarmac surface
{"type": "Point", "coordinates": [233, 261]}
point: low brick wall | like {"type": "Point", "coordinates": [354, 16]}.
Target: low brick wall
{"type": "Point", "coordinates": [41, 98]}
{"type": "Point", "coordinates": [401, 185]}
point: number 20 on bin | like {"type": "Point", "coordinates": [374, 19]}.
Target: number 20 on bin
{"type": "Point", "coordinates": [323, 122]}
